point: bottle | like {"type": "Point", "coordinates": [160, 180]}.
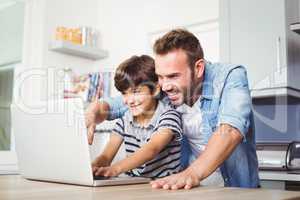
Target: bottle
{"type": "Point", "coordinates": [68, 83]}
{"type": "Point", "coordinates": [95, 36]}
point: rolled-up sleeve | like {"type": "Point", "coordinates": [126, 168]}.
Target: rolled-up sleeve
{"type": "Point", "coordinates": [235, 106]}
{"type": "Point", "coordinates": [117, 108]}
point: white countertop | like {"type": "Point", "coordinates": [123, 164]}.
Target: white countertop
{"type": "Point", "coordinates": [16, 187]}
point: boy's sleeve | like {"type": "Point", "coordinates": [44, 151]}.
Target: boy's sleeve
{"type": "Point", "coordinates": [117, 108]}
{"type": "Point", "coordinates": [119, 127]}
{"type": "Point", "coordinates": [235, 107]}
{"type": "Point", "coordinates": [171, 119]}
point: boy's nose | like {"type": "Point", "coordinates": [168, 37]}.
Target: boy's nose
{"type": "Point", "coordinates": [130, 99]}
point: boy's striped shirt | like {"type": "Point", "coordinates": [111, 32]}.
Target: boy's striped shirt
{"type": "Point", "coordinates": [135, 136]}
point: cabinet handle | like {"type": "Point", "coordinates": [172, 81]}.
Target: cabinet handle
{"type": "Point", "coordinates": [278, 63]}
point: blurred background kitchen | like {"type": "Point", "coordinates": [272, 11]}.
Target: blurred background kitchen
{"type": "Point", "coordinates": [47, 44]}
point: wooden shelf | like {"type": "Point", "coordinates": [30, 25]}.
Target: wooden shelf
{"type": "Point", "coordinates": [295, 27]}
{"type": "Point", "coordinates": [92, 53]}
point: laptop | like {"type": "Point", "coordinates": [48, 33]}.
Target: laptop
{"type": "Point", "coordinates": [51, 145]}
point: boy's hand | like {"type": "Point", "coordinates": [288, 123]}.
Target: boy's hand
{"type": "Point", "coordinates": [95, 113]}
{"type": "Point", "coordinates": [98, 163]}
{"type": "Point", "coordinates": [108, 171]}
{"type": "Point", "coordinates": [90, 119]}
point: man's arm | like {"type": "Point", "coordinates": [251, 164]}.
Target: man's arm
{"type": "Point", "coordinates": [219, 148]}
{"type": "Point", "coordinates": [233, 124]}
{"type": "Point", "coordinates": [146, 153]}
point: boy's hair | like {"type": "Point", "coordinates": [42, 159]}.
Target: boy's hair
{"type": "Point", "coordinates": [135, 71]}
{"type": "Point", "coordinates": [180, 39]}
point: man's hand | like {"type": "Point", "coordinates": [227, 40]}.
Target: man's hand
{"type": "Point", "coordinates": [96, 113]}
{"type": "Point", "coordinates": [219, 148]}
{"type": "Point", "coordinates": [186, 179]}
{"type": "Point", "coordinates": [108, 171]}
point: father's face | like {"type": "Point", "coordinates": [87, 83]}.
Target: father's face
{"type": "Point", "coordinates": [174, 75]}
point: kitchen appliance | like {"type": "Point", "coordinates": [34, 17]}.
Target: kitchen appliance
{"type": "Point", "coordinates": [272, 156]}
{"type": "Point", "coordinates": [293, 157]}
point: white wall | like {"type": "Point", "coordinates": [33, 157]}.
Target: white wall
{"type": "Point", "coordinates": [126, 25]}
{"type": "Point", "coordinates": [41, 19]}
{"type": "Point", "coordinates": [68, 13]}
{"type": "Point", "coordinates": [125, 28]}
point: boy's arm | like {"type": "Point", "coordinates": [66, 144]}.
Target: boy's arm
{"type": "Point", "coordinates": [108, 154]}
{"type": "Point", "coordinates": [146, 153]}
{"type": "Point", "coordinates": [98, 111]}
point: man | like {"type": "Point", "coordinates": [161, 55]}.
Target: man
{"type": "Point", "coordinates": [222, 94]}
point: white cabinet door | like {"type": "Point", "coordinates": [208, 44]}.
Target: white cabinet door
{"type": "Point", "coordinates": [256, 39]}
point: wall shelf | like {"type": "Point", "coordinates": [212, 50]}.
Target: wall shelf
{"type": "Point", "coordinates": [295, 27]}
{"type": "Point", "coordinates": [92, 53]}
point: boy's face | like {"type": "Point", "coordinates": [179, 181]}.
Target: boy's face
{"type": "Point", "coordinates": [139, 100]}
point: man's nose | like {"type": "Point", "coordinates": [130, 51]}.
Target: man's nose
{"type": "Point", "coordinates": [166, 87]}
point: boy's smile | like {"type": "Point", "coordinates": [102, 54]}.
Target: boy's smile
{"type": "Point", "coordinates": [140, 101]}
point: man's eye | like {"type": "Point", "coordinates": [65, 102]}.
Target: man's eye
{"type": "Point", "coordinates": [173, 76]}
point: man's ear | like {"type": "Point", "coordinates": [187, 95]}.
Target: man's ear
{"type": "Point", "coordinates": [199, 68]}
{"type": "Point", "coordinates": [156, 90]}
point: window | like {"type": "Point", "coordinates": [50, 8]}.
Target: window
{"type": "Point", "coordinates": [11, 39]}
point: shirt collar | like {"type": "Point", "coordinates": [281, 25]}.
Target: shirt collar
{"type": "Point", "coordinates": [207, 85]}
{"type": "Point", "coordinates": [152, 121]}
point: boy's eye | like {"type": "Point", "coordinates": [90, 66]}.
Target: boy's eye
{"type": "Point", "coordinates": [136, 91]}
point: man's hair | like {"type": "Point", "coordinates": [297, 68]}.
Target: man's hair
{"type": "Point", "coordinates": [180, 39]}
{"type": "Point", "coordinates": [136, 71]}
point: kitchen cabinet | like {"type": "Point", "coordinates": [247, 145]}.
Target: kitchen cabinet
{"type": "Point", "coordinates": [257, 34]}
{"type": "Point", "coordinates": [280, 180]}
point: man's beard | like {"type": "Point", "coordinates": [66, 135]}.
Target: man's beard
{"type": "Point", "coordinates": [193, 92]}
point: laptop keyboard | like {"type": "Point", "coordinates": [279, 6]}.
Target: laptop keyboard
{"type": "Point", "coordinates": [101, 178]}
{"type": "Point", "coordinates": [97, 178]}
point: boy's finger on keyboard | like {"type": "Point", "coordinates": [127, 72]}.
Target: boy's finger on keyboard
{"type": "Point", "coordinates": [99, 171]}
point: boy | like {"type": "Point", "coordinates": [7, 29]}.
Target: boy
{"type": "Point", "coordinates": [150, 129]}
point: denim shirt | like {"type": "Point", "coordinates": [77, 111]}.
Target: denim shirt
{"type": "Point", "coordinates": [225, 99]}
